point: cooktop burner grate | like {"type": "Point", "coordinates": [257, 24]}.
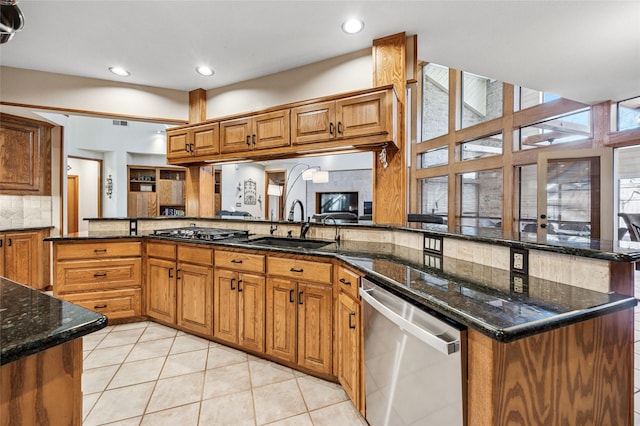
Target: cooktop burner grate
{"type": "Point", "coordinates": [201, 233]}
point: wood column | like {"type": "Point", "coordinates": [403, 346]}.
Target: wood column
{"type": "Point", "coordinates": [200, 179]}
{"type": "Point", "coordinates": [390, 184]}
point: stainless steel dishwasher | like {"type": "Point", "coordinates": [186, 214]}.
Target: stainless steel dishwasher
{"type": "Point", "coordinates": [413, 363]}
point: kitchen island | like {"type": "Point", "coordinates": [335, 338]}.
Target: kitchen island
{"type": "Point", "coordinates": [41, 356]}
{"type": "Point", "coordinates": [536, 351]}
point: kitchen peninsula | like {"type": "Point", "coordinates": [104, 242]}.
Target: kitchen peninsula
{"type": "Point", "coordinates": [41, 356]}
{"type": "Point", "coordinates": [528, 339]}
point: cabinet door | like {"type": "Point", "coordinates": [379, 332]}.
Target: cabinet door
{"type": "Point", "coordinates": [142, 204]}
{"type": "Point", "coordinates": [161, 290]}
{"type": "Point", "coordinates": [251, 295]}
{"type": "Point", "coordinates": [315, 327]}
{"type": "Point", "coordinates": [206, 139]}
{"type": "Point", "coordinates": [235, 135]}
{"type": "Point", "coordinates": [2, 244]}
{"type": "Point", "coordinates": [348, 342]}
{"type": "Point", "coordinates": [313, 123]}
{"type": "Point", "coordinates": [225, 310]}
{"type": "Point", "coordinates": [178, 144]}
{"type": "Point", "coordinates": [361, 116]}
{"type": "Point", "coordinates": [195, 298]}
{"type": "Point", "coordinates": [281, 319]}
{"type": "Point", "coordinates": [20, 257]}
{"type": "Point", "coordinates": [271, 130]}
{"type": "Point", "coordinates": [20, 167]}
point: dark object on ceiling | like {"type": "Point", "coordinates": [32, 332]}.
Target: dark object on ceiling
{"type": "Point", "coordinates": [11, 20]}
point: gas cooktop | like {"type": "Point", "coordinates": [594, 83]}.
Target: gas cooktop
{"type": "Point", "coordinates": [200, 233]}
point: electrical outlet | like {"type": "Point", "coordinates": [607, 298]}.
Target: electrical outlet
{"type": "Point", "coordinates": [519, 261]}
{"type": "Point", "coordinates": [519, 284]}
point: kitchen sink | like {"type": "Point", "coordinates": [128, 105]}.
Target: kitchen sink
{"type": "Point", "coordinates": [289, 242]}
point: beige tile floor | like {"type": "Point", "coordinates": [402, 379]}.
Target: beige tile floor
{"type": "Point", "coordinates": [148, 374]}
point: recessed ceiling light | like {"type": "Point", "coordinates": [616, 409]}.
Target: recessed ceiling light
{"type": "Point", "coordinates": [206, 71]}
{"type": "Point", "coordinates": [352, 26]}
{"type": "Point", "coordinates": [120, 71]}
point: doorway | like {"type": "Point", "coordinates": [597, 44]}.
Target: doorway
{"type": "Point", "coordinates": [72, 204]}
{"type": "Point", "coordinates": [275, 189]}
{"type": "Point", "coordinates": [570, 202]}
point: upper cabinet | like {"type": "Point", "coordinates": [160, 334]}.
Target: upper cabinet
{"type": "Point", "coordinates": [187, 143]}
{"type": "Point", "coordinates": [358, 120]}
{"type": "Point", "coordinates": [25, 156]}
{"type": "Point", "coordinates": [351, 117]}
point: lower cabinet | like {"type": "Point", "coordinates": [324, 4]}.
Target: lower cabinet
{"type": "Point", "coordinates": [23, 257]}
{"type": "Point", "coordinates": [239, 287]}
{"type": "Point", "coordinates": [179, 286]}
{"type": "Point", "coordinates": [299, 314]}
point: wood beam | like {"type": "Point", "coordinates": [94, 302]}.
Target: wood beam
{"type": "Point", "coordinates": [390, 183]}
{"type": "Point", "coordinates": [197, 106]}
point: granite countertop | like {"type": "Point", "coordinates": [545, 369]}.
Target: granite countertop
{"type": "Point", "coordinates": [490, 300]}
{"type": "Point", "coordinates": [31, 321]}
{"type": "Point", "coordinates": [26, 228]}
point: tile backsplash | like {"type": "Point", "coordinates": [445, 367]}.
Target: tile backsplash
{"type": "Point", "coordinates": [22, 211]}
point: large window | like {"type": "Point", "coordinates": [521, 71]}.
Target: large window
{"type": "Point", "coordinates": [435, 196]}
{"type": "Point", "coordinates": [435, 101]}
{"type": "Point", "coordinates": [527, 98]}
{"type": "Point", "coordinates": [628, 185]}
{"type": "Point", "coordinates": [526, 198]}
{"type": "Point", "coordinates": [434, 157]}
{"type": "Point", "coordinates": [563, 129]}
{"type": "Point", "coordinates": [481, 148]}
{"type": "Point", "coordinates": [481, 199]}
{"type": "Point", "coordinates": [629, 114]}
{"type": "Point", "coordinates": [481, 99]}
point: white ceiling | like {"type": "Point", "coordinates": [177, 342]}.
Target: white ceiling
{"type": "Point", "coordinates": [587, 51]}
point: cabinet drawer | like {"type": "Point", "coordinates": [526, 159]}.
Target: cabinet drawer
{"type": "Point", "coordinates": [199, 255]}
{"type": "Point", "coordinates": [163, 251]}
{"type": "Point", "coordinates": [97, 275]}
{"type": "Point", "coordinates": [348, 282]}
{"type": "Point", "coordinates": [97, 250]}
{"type": "Point", "coordinates": [114, 303]}
{"type": "Point", "coordinates": [295, 268]}
{"type": "Point", "coordinates": [240, 261]}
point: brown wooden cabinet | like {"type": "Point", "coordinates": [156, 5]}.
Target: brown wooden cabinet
{"type": "Point", "coordinates": [156, 191]}
{"type": "Point", "coordinates": [25, 156]}
{"type": "Point", "coordinates": [299, 313]}
{"type": "Point", "coordinates": [239, 296]}
{"type": "Point", "coordinates": [185, 143]}
{"type": "Point", "coordinates": [179, 286]}
{"type": "Point", "coordinates": [23, 257]}
{"type": "Point", "coordinates": [348, 336]}
{"type": "Point", "coordinates": [353, 117]}
{"type": "Point", "coordinates": [269, 130]}
{"type": "Point", "coordinates": [101, 275]}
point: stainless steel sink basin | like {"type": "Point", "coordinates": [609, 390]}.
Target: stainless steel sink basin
{"type": "Point", "coordinates": [289, 242]}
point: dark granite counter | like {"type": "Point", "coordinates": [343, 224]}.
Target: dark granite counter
{"type": "Point", "coordinates": [31, 321]}
{"type": "Point", "coordinates": [490, 300]}
{"type": "Point", "coordinates": [26, 228]}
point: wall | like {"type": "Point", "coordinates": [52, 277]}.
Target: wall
{"type": "Point", "coordinates": [336, 75]}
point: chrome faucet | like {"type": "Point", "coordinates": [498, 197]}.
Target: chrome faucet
{"type": "Point", "coordinates": [293, 207]}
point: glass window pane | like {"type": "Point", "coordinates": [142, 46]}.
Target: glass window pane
{"type": "Point", "coordinates": [435, 196]}
{"type": "Point", "coordinates": [481, 99]}
{"type": "Point", "coordinates": [563, 129]}
{"type": "Point", "coordinates": [526, 190]}
{"type": "Point", "coordinates": [529, 98]}
{"type": "Point", "coordinates": [435, 101]}
{"type": "Point", "coordinates": [434, 157]}
{"type": "Point", "coordinates": [481, 198]}
{"type": "Point", "coordinates": [480, 148]}
{"type": "Point", "coordinates": [629, 114]}
{"type": "Point", "coordinates": [628, 180]}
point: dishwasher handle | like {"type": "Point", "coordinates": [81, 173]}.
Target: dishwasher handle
{"type": "Point", "coordinates": [444, 346]}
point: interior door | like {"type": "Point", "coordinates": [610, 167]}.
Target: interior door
{"type": "Point", "coordinates": [72, 204]}
{"type": "Point", "coordinates": [574, 200]}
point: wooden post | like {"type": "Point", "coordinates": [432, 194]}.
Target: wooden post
{"type": "Point", "coordinates": [390, 183]}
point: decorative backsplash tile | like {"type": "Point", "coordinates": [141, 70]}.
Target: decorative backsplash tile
{"type": "Point", "coordinates": [21, 211]}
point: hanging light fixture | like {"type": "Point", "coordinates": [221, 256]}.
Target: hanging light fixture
{"type": "Point", "coordinates": [11, 19]}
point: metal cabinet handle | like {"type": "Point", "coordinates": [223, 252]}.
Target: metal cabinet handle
{"type": "Point", "coordinates": [232, 287]}
{"type": "Point", "coordinates": [100, 306]}
{"type": "Point", "coordinates": [186, 147]}
{"type": "Point", "coordinates": [9, 242]}
{"type": "Point", "coordinates": [236, 261]}
{"type": "Point", "coordinates": [0, 243]}
{"type": "Point", "coordinates": [331, 129]}
{"type": "Point", "coordinates": [170, 272]}
{"type": "Point", "coordinates": [177, 274]}
{"type": "Point", "coordinates": [96, 251]}
{"type": "Point", "coordinates": [239, 285]}
{"type": "Point", "coordinates": [191, 147]}
{"type": "Point", "coordinates": [339, 127]}
{"type": "Point", "coordinates": [253, 139]}
{"type": "Point", "coordinates": [291, 296]}
{"type": "Point", "coordinates": [345, 282]}
{"type": "Point", "coordinates": [351, 315]}
{"type": "Point", "coordinates": [248, 140]}
{"type": "Point", "coordinates": [296, 270]}
{"type": "Point", "coordinates": [99, 274]}
{"type": "Point", "coordinates": [300, 297]}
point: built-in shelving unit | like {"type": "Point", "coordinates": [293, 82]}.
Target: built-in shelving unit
{"type": "Point", "coordinates": [155, 191]}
